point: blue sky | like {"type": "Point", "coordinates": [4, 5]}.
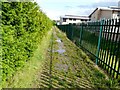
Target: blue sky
{"type": "Point", "coordinates": [56, 8]}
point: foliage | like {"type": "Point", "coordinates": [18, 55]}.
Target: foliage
{"type": "Point", "coordinates": [23, 26]}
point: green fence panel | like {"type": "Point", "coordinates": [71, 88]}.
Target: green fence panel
{"type": "Point", "coordinates": [101, 39]}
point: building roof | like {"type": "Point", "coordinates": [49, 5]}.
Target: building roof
{"type": "Point", "coordinates": [75, 17]}
{"type": "Point", "coordinates": [112, 8]}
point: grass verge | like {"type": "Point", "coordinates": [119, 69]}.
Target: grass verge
{"type": "Point", "coordinates": [84, 67]}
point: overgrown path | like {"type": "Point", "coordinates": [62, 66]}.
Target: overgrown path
{"type": "Point", "coordinates": [67, 66]}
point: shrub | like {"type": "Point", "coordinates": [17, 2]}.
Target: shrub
{"type": "Point", "coordinates": [23, 26]}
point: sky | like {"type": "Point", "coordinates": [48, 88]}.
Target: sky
{"type": "Point", "coordinates": [56, 8]}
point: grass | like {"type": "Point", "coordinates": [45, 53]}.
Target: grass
{"type": "Point", "coordinates": [108, 58]}
{"type": "Point", "coordinates": [27, 77]}
{"type": "Point", "coordinates": [72, 69]}
{"type": "Point", "coordinates": [90, 41]}
{"type": "Point", "coordinates": [0, 67]}
{"type": "Point", "coordinates": [84, 67]}
{"type": "Point", "coordinates": [104, 55]}
{"type": "Point", "coordinates": [76, 57]}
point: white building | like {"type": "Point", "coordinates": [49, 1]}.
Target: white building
{"type": "Point", "coordinates": [119, 7]}
{"type": "Point", "coordinates": [105, 13]}
{"type": "Point", "coordinates": [72, 19]}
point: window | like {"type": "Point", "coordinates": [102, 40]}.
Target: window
{"type": "Point", "coordinates": [70, 19]}
{"type": "Point", "coordinates": [82, 19]}
{"type": "Point", "coordinates": [64, 19]}
{"type": "Point", "coordinates": [74, 19]}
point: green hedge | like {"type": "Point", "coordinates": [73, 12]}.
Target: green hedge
{"type": "Point", "coordinates": [23, 26]}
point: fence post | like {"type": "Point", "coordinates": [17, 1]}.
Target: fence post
{"type": "Point", "coordinates": [72, 32]}
{"type": "Point", "coordinates": [81, 33]}
{"type": "Point", "coordinates": [99, 40]}
{"type": "Point", "coordinates": [69, 31]}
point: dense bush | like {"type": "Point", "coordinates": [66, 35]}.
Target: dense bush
{"type": "Point", "coordinates": [23, 26]}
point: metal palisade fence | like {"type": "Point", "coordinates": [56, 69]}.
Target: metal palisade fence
{"type": "Point", "coordinates": [101, 39]}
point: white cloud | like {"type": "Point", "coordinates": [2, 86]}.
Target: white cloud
{"type": "Point", "coordinates": [55, 15]}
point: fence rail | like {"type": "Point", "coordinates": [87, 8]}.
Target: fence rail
{"type": "Point", "coordinates": [100, 38]}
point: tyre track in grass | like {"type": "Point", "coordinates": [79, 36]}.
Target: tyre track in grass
{"type": "Point", "coordinates": [65, 67]}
